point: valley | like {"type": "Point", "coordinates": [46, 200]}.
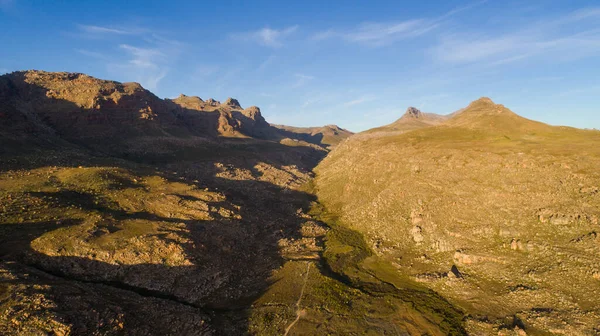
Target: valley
{"type": "Point", "coordinates": [300, 168]}
{"type": "Point", "coordinates": [123, 213]}
{"type": "Point", "coordinates": [178, 227]}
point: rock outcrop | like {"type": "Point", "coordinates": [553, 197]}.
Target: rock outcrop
{"type": "Point", "coordinates": [413, 112]}
{"type": "Point", "coordinates": [233, 103]}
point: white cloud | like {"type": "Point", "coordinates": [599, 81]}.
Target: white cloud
{"type": "Point", "coordinates": [267, 37]}
{"type": "Point", "coordinates": [381, 34]}
{"type": "Point", "coordinates": [148, 66]}
{"type": "Point", "coordinates": [104, 30]}
{"type": "Point", "coordinates": [545, 40]}
{"type": "Point", "coordinates": [145, 58]}
{"type": "Point", "coordinates": [384, 33]}
{"type": "Point", "coordinates": [358, 101]}
{"type": "Point", "coordinates": [378, 34]}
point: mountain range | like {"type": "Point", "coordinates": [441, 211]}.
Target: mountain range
{"type": "Point", "coordinates": [124, 213]}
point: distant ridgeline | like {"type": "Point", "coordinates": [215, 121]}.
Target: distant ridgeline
{"type": "Point", "coordinates": [37, 106]}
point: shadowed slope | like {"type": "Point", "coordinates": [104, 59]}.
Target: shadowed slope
{"type": "Point", "coordinates": [176, 227]}
{"type": "Point", "coordinates": [328, 135]}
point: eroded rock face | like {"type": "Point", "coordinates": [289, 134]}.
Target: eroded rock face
{"type": "Point", "coordinates": [78, 106]}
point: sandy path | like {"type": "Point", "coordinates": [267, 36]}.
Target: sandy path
{"type": "Point", "coordinates": [299, 312]}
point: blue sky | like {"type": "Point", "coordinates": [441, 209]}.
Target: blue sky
{"type": "Point", "coordinates": [358, 64]}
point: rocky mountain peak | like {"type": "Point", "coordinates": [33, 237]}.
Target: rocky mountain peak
{"type": "Point", "coordinates": [413, 112]}
{"type": "Point", "coordinates": [213, 102]}
{"type": "Point", "coordinates": [231, 102]}
{"type": "Point", "coordinates": [183, 97]}
{"type": "Point", "coordinates": [485, 100]}
{"type": "Point", "coordinates": [484, 106]}
{"type": "Point", "coordinates": [252, 111]}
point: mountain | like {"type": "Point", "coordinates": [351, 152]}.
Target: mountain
{"type": "Point", "coordinates": [123, 213]}
{"type": "Point", "coordinates": [107, 115]}
{"type": "Point", "coordinates": [491, 210]}
{"type": "Point", "coordinates": [329, 135]}
{"type": "Point", "coordinates": [485, 114]}
{"type": "Point", "coordinates": [412, 119]}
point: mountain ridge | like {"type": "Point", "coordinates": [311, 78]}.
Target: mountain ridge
{"type": "Point", "coordinates": [81, 108]}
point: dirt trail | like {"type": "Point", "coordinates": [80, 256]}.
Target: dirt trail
{"type": "Point", "coordinates": [299, 312]}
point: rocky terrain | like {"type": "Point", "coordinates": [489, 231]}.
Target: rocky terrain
{"type": "Point", "coordinates": [125, 214]}
{"type": "Point", "coordinates": [122, 213]}
{"type": "Point", "coordinates": [497, 213]}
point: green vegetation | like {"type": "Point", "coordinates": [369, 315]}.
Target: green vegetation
{"type": "Point", "coordinates": [348, 256]}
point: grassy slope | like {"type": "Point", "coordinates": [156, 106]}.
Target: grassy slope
{"type": "Point", "coordinates": [460, 194]}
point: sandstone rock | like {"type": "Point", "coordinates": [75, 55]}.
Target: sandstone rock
{"type": "Point", "coordinates": [232, 103]}
{"type": "Point", "coordinates": [417, 235]}
{"type": "Point", "coordinates": [213, 102]}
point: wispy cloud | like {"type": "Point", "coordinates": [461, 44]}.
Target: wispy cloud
{"type": "Point", "coordinates": [146, 57]}
{"type": "Point", "coordinates": [310, 101]}
{"type": "Point", "coordinates": [379, 34]}
{"type": "Point", "coordinates": [545, 39]}
{"type": "Point", "coordinates": [273, 38]}
{"type": "Point", "coordinates": [3, 71]}
{"type": "Point", "coordinates": [266, 63]}
{"type": "Point", "coordinates": [143, 57]}
{"type": "Point", "coordinates": [301, 80]}
{"type": "Point", "coordinates": [358, 101]}
{"type": "Point", "coordinates": [105, 30]}
{"type": "Point", "coordinates": [145, 65]}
